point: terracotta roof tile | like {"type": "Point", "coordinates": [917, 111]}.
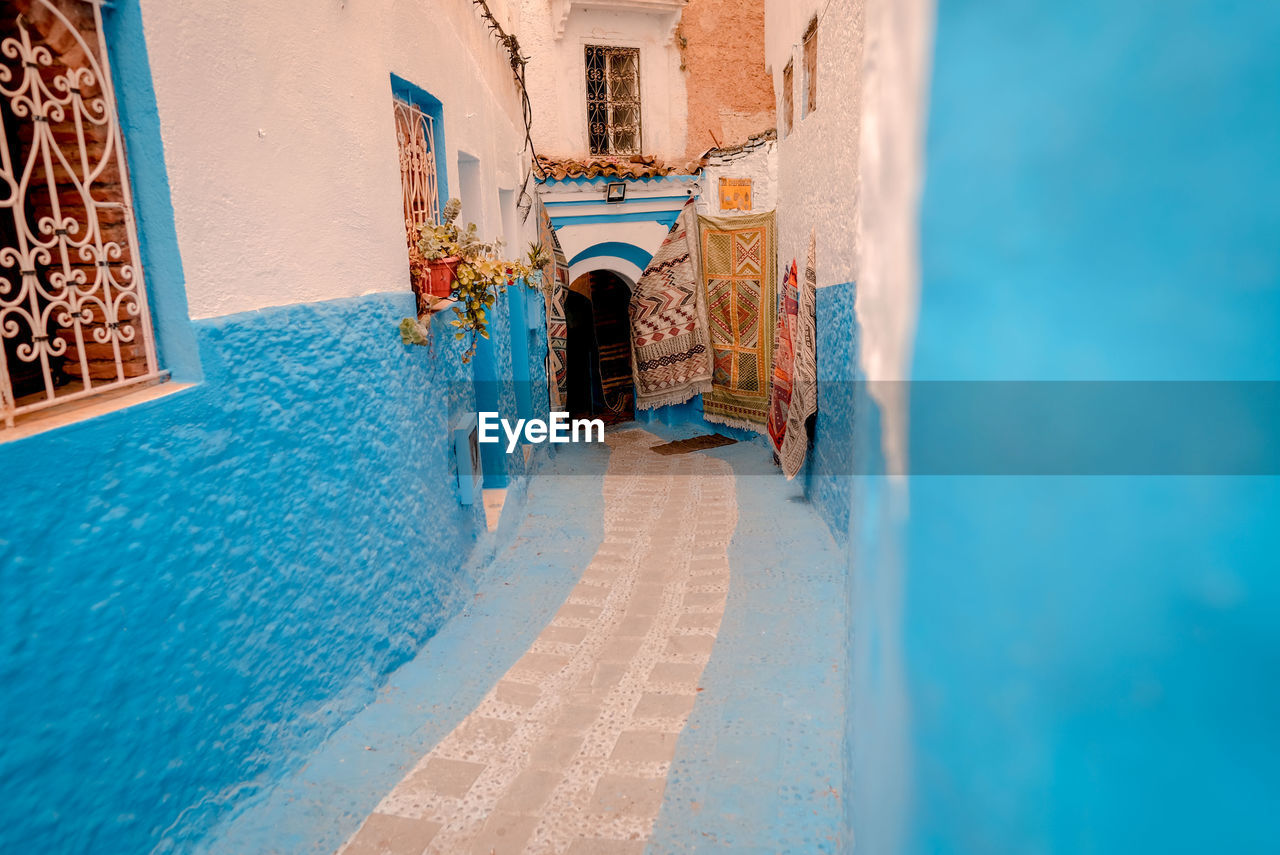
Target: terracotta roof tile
{"type": "Point", "coordinates": [752, 142]}
{"type": "Point", "coordinates": [636, 166]}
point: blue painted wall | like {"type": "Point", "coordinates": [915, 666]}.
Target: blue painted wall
{"type": "Point", "coordinates": [198, 590]}
{"type": "Point", "coordinates": [828, 468]}
{"type": "Point", "coordinates": [201, 588]}
{"type": "Point", "coordinates": [149, 180]}
{"type": "Point", "coordinates": [1088, 660]}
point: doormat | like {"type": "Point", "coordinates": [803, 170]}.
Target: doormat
{"type": "Point", "coordinates": [697, 443]}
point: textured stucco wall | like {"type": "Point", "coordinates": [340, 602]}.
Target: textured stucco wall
{"type": "Point", "coordinates": [760, 165]}
{"type": "Point", "coordinates": [200, 589]}
{"type": "Point", "coordinates": [730, 93]}
{"type": "Point", "coordinates": [829, 468]}
{"type": "Point", "coordinates": [850, 170]}
{"type": "Point", "coordinates": [818, 160]}
{"type": "Point", "coordinates": [280, 144]}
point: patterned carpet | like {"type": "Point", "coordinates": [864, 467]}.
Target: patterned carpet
{"type": "Point", "coordinates": [739, 271]}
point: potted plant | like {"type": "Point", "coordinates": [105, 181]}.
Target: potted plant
{"type": "Point", "coordinates": [440, 248]}
{"type": "Point", "coordinates": [473, 271]}
{"type": "Point", "coordinates": [536, 260]}
{"type": "Point", "coordinates": [432, 278]}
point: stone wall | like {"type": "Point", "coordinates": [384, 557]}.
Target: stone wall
{"type": "Point", "coordinates": [758, 163]}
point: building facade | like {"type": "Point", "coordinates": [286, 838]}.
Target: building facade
{"type": "Point", "coordinates": [630, 95]}
{"type": "Point", "coordinates": [233, 551]}
{"type": "Point", "coordinates": [235, 500]}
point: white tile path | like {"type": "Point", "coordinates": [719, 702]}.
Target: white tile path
{"type": "Point", "coordinates": [569, 752]}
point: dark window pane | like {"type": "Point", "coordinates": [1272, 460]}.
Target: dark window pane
{"type": "Point", "coordinates": [613, 100]}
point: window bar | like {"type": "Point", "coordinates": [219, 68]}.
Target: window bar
{"type": "Point", "coordinates": [69, 300]}
{"type": "Point", "coordinates": [613, 100]}
{"type": "Point", "coordinates": [126, 191]}
{"type": "Point", "coordinates": [415, 135]}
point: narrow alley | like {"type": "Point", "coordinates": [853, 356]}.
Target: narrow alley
{"type": "Point", "coordinates": [639, 427]}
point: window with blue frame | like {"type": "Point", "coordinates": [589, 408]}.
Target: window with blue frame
{"type": "Point", "coordinates": [423, 177]}
{"type": "Point", "coordinates": [73, 304]}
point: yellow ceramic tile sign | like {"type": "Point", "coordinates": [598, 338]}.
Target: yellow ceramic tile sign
{"type": "Point", "coordinates": [735, 194]}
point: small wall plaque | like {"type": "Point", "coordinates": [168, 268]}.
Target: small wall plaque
{"type": "Point", "coordinates": [735, 194]}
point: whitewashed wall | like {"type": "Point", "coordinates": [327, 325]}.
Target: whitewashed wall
{"type": "Point", "coordinates": [760, 165]}
{"type": "Point", "coordinates": [852, 168]}
{"type": "Point", "coordinates": [557, 75]}
{"type": "Point", "coordinates": [297, 197]}
{"type": "Point", "coordinates": [818, 160]}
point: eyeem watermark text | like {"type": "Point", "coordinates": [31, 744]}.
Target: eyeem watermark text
{"type": "Point", "coordinates": [559, 429]}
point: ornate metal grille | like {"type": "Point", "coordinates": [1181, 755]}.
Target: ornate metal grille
{"type": "Point", "coordinates": [73, 309]}
{"type": "Point", "coordinates": [613, 100]}
{"type": "Point", "coordinates": [415, 134]}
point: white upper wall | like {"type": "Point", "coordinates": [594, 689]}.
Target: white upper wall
{"type": "Point", "coordinates": [851, 170]}
{"type": "Point", "coordinates": [818, 159]}
{"type": "Point", "coordinates": [784, 24]}
{"type": "Point", "coordinates": [280, 145]}
{"type": "Point", "coordinates": [557, 71]}
{"type": "Point", "coordinates": [759, 165]}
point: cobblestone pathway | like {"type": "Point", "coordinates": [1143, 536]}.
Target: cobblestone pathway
{"type": "Point", "coordinates": [569, 752]}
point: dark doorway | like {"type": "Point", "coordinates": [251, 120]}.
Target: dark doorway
{"type": "Point", "coordinates": [599, 348]}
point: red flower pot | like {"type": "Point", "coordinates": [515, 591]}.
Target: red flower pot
{"type": "Point", "coordinates": [437, 280]}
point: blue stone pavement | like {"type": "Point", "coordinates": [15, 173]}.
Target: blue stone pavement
{"type": "Point", "coordinates": [757, 769]}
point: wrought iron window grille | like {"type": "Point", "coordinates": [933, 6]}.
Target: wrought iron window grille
{"type": "Point", "coordinates": [74, 320]}
{"type": "Point", "coordinates": [613, 100]}
{"type": "Point", "coordinates": [415, 137]}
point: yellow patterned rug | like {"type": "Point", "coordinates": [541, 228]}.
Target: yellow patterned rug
{"type": "Point", "coordinates": [739, 273]}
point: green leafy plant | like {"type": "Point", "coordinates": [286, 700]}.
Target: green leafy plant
{"type": "Point", "coordinates": [415, 331]}
{"type": "Point", "coordinates": [449, 240]}
{"type": "Point", "coordinates": [537, 259]}
{"type": "Point", "coordinates": [481, 275]}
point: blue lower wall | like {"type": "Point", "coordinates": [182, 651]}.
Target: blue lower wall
{"type": "Point", "coordinates": [829, 466]}
{"type": "Point", "coordinates": [199, 589]}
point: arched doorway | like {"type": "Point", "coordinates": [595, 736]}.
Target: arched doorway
{"type": "Point", "coordinates": [598, 356]}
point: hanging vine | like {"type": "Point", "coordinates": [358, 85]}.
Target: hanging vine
{"type": "Point", "coordinates": [518, 63]}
